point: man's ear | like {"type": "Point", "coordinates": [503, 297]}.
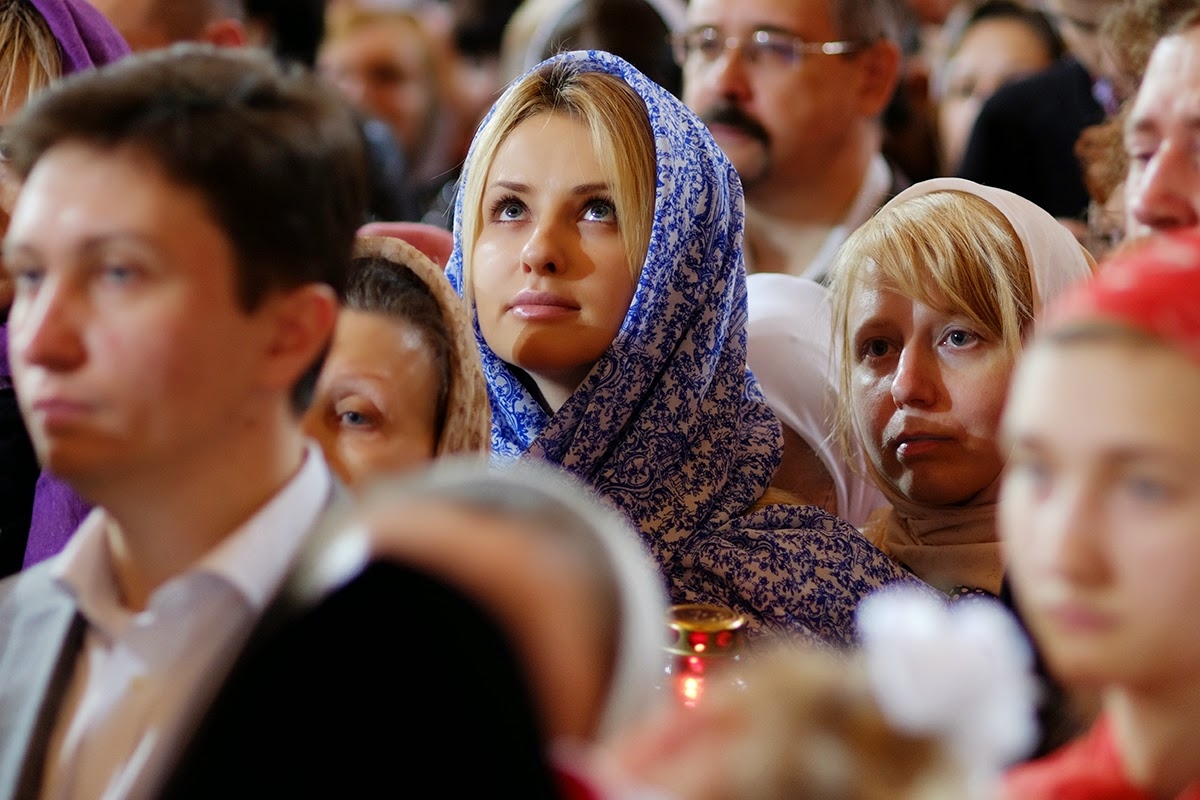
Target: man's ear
{"type": "Point", "coordinates": [226, 32]}
{"type": "Point", "coordinates": [302, 322]}
{"type": "Point", "coordinates": [880, 64]}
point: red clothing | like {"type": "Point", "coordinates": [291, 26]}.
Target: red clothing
{"type": "Point", "coordinates": [1087, 769]}
{"type": "Point", "coordinates": [573, 786]}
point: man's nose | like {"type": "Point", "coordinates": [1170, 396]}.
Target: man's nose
{"type": "Point", "coordinates": [1164, 193]}
{"type": "Point", "coordinates": [44, 329]}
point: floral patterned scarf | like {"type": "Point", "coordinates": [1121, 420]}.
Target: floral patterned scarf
{"type": "Point", "coordinates": [671, 427]}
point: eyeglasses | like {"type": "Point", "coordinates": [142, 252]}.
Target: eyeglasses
{"type": "Point", "coordinates": [770, 48]}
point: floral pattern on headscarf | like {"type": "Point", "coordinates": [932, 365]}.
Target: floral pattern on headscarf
{"type": "Point", "coordinates": [671, 427]}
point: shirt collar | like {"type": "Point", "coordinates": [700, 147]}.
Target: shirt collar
{"type": "Point", "coordinates": [252, 559]}
{"type": "Point", "coordinates": [256, 556]}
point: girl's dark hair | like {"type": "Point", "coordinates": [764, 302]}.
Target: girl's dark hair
{"type": "Point", "coordinates": [1036, 20]}
{"type": "Point", "coordinates": [380, 286]}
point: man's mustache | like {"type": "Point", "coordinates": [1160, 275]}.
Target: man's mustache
{"type": "Point", "coordinates": [730, 115]}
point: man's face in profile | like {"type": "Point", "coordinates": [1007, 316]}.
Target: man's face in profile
{"type": "Point", "coordinates": [1162, 139]}
{"type": "Point", "coordinates": [129, 350]}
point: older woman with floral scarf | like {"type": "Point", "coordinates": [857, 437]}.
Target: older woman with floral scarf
{"type": "Point", "coordinates": [598, 240]}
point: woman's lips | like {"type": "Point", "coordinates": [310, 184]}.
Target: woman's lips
{"type": "Point", "coordinates": [911, 447]}
{"type": "Point", "coordinates": [541, 306]}
{"type": "Point", "coordinates": [1078, 618]}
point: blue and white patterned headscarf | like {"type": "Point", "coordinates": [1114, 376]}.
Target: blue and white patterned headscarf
{"type": "Point", "coordinates": [670, 426]}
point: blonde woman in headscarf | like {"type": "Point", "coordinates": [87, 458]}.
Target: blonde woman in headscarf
{"type": "Point", "coordinates": [402, 383]}
{"type": "Point", "coordinates": [934, 298]}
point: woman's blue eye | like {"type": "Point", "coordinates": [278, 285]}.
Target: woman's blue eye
{"type": "Point", "coordinates": [959, 338]}
{"type": "Point", "coordinates": [352, 418]}
{"type": "Point", "coordinates": [601, 211]}
{"type": "Point", "coordinates": [507, 209]}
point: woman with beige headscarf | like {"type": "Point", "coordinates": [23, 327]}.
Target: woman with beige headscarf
{"type": "Point", "coordinates": [402, 383]}
{"type": "Point", "coordinates": [934, 298]}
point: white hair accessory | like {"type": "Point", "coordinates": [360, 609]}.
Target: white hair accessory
{"type": "Point", "coordinates": [962, 672]}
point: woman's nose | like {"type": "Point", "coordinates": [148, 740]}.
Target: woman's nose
{"type": "Point", "coordinates": [543, 252]}
{"type": "Point", "coordinates": [915, 381]}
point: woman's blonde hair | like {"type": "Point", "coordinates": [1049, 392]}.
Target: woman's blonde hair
{"type": "Point", "coordinates": [621, 136]}
{"type": "Point", "coordinates": [949, 250]}
{"type": "Point", "coordinates": [26, 42]}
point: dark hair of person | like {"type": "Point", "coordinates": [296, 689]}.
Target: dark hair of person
{"type": "Point", "coordinates": [296, 27]}
{"type": "Point", "coordinates": [631, 29]}
{"type": "Point", "coordinates": [479, 25]}
{"type": "Point", "coordinates": [277, 156]}
{"type": "Point", "coordinates": [381, 286]}
{"type": "Point", "coordinates": [1036, 20]}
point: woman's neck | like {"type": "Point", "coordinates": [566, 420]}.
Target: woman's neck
{"type": "Point", "coordinates": [551, 390]}
{"type": "Point", "coordinates": [1156, 733]}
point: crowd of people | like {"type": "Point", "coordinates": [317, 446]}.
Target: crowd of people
{"type": "Point", "coordinates": [383, 383]}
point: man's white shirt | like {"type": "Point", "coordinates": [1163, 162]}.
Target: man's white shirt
{"type": "Point", "coordinates": [143, 678]}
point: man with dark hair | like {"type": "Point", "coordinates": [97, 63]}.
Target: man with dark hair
{"type": "Point", "coordinates": [184, 230]}
{"type": "Point", "coordinates": [793, 91]}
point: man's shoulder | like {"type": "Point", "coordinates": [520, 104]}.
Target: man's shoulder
{"type": "Point", "coordinates": [34, 608]}
{"type": "Point", "coordinates": [39, 631]}
{"type": "Point", "coordinates": [29, 590]}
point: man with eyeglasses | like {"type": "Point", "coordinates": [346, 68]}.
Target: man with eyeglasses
{"type": "Point", "coordinates": [792, 90]}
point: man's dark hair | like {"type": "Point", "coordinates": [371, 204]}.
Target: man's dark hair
{"type": "Point", "coordinates": [276, 155]}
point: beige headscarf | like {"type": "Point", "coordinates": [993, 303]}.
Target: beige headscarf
{"type": "Point", "coordinates": [468, 424]}
{"type": "Point", "coordinates": [955, 548]}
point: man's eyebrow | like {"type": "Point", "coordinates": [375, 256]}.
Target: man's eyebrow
{"type": "Point", "coordinates": [1146, 124]}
